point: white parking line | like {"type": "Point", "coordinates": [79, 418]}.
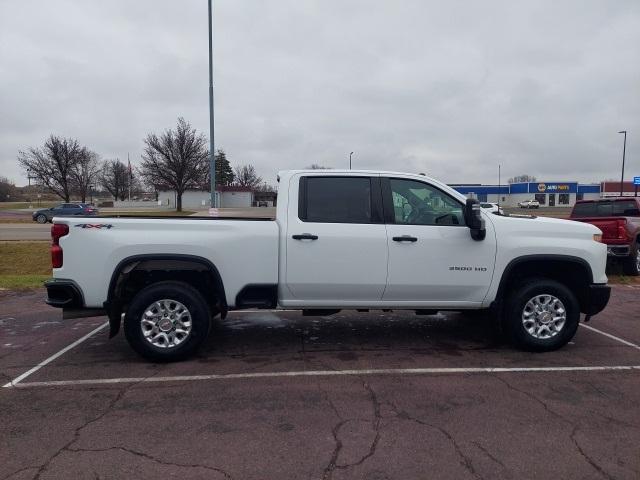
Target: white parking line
{"type": "Point", "coordinates": [16, 382]}
{"type": "Point", "coordinates": [18, 379]}
{"type": "Point", "coordinates": [327, 373]}
{"type": "Point", "coordinates": [613, 337]}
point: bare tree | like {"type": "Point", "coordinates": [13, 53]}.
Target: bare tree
{"type": "Point", "coordinates": [525, 178]}
{"type": "Point", "coordinates": [114, 178]}
{"type": "Point", "coordinates": [176, 159]}
{"type": "Point", "coordinates": [246, 176]}
{"type": "Point", "coordinates": [53, 164]}
{"type": "Point", "coordinates": [265, 187]}
{"type": "Point", "coordinates": [85, 172]}
{"type": "Point", "coordinates": [315, 166]}
{"type": "Point", "coordinates": [7, 189]}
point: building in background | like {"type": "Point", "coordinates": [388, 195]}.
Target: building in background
{"type": "Point", "coordinates": [612, 189]}
{"type": "Point", "coordinates": [228, 197]}
{"type": "Point", "coordinates": [549, 194]}
{"type": "Point", "coordinates": [265, 198]}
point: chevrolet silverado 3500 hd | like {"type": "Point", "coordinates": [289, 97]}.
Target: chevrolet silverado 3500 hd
{"type": "Point", "coordinates": [340, 240]}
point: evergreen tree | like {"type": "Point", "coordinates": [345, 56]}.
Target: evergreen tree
{"type": "Point", "coordinates": [224, 172]}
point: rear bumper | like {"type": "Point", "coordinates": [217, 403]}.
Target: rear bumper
{"type": "Point", "coordinates": [63, 294]}
{"type": "Point", "coordinates": [598, 298]}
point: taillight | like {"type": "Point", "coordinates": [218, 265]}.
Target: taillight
{"type": "Point", "coordinates": [57, 230]}
{"type": "Point", "coordinates": [622, 229]}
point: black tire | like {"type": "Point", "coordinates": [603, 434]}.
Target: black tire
{"type": "Point", "coordinates": [181, 292]}
{"type": "Point", "coordinates": [516, 303]}
{"type": "Point", "coordinates": [631, 264]}
{"type": "Point", "coordinates": [41, 218]}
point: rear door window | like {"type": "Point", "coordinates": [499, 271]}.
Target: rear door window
{"type": "Point", "coordinates": [335, 200]}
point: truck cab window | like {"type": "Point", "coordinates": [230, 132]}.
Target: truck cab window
{"type": "Point", "coordinates": [336, 200]}
{"type": "Point", "coordinates": [417, 203]}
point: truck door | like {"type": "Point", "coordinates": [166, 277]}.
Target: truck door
{"type": "Point", "coordinates": [336, 241]}
{"type": "Point", "coordinates": [432, 257]}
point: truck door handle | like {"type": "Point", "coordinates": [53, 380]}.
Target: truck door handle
{"type": "Point", "coordinates": [405, 238]}
{"type": "Point", "coordinates": [305, 236]}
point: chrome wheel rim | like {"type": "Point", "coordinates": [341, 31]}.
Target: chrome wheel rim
{"type": "Point", "coordinates": [41, 219]}
{"type": "Point", "coordinates": [544, 316]}
{"type": "Point", "coordinates": [638, 262]}
{"type": "Point", "coordinates": [166, 323]}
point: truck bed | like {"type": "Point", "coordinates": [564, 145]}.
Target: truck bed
{"type": "Point", "coordinates": [244, 250]}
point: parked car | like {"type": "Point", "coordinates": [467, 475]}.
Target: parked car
{"type": "Point", "coordinates": [63, 210]}
{"type": "Point", "coordinates": [529, 204]}
{"type": "Point", "coordinates": [341, 239]}
{"type": "Point", "coordinates": [619, 220]}
{"type": "Point", "coordinates": [492, 207]}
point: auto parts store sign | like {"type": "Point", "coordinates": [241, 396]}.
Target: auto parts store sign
{"type": "Point", "coordinates": [569, 187]}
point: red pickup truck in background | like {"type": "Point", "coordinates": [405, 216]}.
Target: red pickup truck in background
{"type": "Point", "coordinates": [619, 220]}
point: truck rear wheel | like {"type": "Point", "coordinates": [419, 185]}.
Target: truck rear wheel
{"type": "Point", "coordinates": [631, 264]}
{"type": "Point", "coordinates": [167, 321]}
{"type": "Point", "coordinates": [541, 315]}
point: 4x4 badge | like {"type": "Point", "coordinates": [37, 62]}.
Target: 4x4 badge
{"type": "Point", "coordinates": [94, 225]}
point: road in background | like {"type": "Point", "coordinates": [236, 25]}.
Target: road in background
{"type": "Point", "coordinates": [25, 231]}
{"type": "Point", "coordinates": [35, 231]}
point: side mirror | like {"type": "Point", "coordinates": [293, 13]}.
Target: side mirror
{"type": "Point", "coordinates": [473, 219]}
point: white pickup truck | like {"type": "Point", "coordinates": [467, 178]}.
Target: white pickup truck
{"type": "Point", "coordinates": [340, 240]}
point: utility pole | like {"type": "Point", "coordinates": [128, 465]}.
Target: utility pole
{"type": "Point", "coordinates": [350, 160]}
{"type": "Point", "coordinates": [212, 161]}
{"type": "Point", "coordinates": [624, 149]}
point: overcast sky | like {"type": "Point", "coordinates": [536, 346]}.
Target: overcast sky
{"type": "Point", "coordinates": [448, 88]}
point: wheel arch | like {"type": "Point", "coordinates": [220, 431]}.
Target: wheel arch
{"type": "Point", "coordinates": [146, 269]}
{"type": "Point", "coordinates": [574, 272]}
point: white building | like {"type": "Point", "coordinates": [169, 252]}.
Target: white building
{"type": "Point", "coordinates": [228, 197]}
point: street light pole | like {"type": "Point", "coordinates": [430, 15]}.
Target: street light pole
{"type": "Point", "coordinates": [212, 162]}
{"type": "Point", "coordinates": [350, 160]}
{"type": "Point", "coordinates": [499, 186]}
{"type": "Point", "coordinates": [624, 150]}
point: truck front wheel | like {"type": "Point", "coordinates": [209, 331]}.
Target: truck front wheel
{"type": "Point", "coordinates": [167, 321]}
{"type": "Point", "coordinates": [541, 315]}
{"type": "Point", "coordinates": [631, 264]}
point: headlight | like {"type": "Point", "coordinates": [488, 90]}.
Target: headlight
{"type": "Point", "coordinates": [597, 237]}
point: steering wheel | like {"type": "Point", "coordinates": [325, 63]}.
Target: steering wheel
{"type": "Point", "coordinates": [421, 215]}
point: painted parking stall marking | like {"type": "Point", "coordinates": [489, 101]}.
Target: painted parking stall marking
{"type": "Point", "coordinates": [50, 359]}
{"type": "Point", "coordinates": [18, 381]}
{"type": "Point", "coordinates": [613, 337]}
{"type": "Point", "coordinates": [327, 373]}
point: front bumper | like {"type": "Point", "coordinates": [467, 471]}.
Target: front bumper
{"type": "Point", "coordinates": [598, 298]}
{"type": "Point", "coordinates": [63, 294]}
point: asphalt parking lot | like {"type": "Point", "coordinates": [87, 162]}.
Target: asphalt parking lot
{"type": "Point", "coordinates": [356, 395]}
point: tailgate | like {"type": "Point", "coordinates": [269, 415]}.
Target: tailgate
{"type": "Point", "coordinates": [608, 225]}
